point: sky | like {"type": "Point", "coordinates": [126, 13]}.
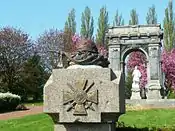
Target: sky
{"type": "Point", "coordinates": [36, 16]}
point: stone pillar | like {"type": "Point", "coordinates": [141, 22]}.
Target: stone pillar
{"type": "Point", "coordinates": [114, 56]}
{"type": "Point", "coordinates": [84, 99]}
{"type": "Point", "coordinates": [154, 70]}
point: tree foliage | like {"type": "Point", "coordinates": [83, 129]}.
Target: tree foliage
{"type": "Point", "coordinates": [87, 24]}
{"type": "Point", "coordinates": [168, 67]}
{"type": "Point", "coordinates": [48, 46]}
{"type": "Point", "coordinates": [151, 17]}
{"type": "Point", "coordinates": [71, 22]}
{"type": "Point", "coordinates": [15, 49]}
{"type": "Point", "coordinates": [33, 77]}
{"type": "Point", "coordinates": [69, 30]}
{"type": "Point", "coordinates": [169, 27]}
{"type": "Point", "coordinates": [134, 20]}
{"type": "Point", "coordinates": [128, 85]}
{"type": "Point", "coordinates": [118, 20]}
{"type": "Point", "coordinates": [102, 26]}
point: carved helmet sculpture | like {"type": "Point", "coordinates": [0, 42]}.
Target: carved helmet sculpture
{"type": "Point", "coordinates": [86, 53]}
{"type": "Point", "coordinates": [86, 45]}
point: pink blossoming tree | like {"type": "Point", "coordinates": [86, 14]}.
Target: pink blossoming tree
{"type": "Point", "coordinates": [168, 66]}
{"type": "Point", "coordinates": [137, 58]}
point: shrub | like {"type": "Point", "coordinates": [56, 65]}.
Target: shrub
{"type": "Point", "coordinates": [171, 95]}
{"type": "Point", "coordinates": [9, 101]}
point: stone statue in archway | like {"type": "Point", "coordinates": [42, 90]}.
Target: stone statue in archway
{"type": "Point", "coordinates": [135, 85]}
{"type": "Point", "coordinates": [136, 77]}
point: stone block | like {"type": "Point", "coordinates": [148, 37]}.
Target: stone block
{"type": "Point", "coordinates": [83, 127]}
{"type": "Point", "coordinates": [154, 89]}
{"type": "Point", "coordinates": [84, 95]}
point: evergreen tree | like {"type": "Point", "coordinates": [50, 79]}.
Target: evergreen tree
{"type": "Point", "coordinates": [87, 25]}
{"type": "Point", "coordinates": [128, 85]}
{"type": "Point", "coordinates": [71, 23]}
{"type": "Point", "coordinates": [169, 28]}
{"type": "Point", "coordinates": [134, 17]}
{"type": "Point", "coordinates": [151, 17]}
{"type": "Point", "coordinates": [102, 26]}
{"type": "Point", "coordinates": [33, 77]}
{"type": "Point", "coordinates": [69, 30]}
{"type": "Point", "coordinates": [118, 20]}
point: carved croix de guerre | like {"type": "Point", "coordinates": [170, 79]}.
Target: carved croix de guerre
{"type": "Point", "coordinates": [80, 98]}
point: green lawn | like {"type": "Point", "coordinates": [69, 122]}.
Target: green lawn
{"type": "Point", "coordinates": [140, 119]}
{"type": "Point", "coordinates": [150, 118]}
{"type": "Point", "coordinates": [40, 122]}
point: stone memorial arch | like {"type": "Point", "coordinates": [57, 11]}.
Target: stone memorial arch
{"type": "Point", "coordinates": [145, 38]}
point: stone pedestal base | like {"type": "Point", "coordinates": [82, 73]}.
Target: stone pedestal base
{"type": "Point", "coordinates": [85, 127]}
{"type": "Point", "coordinates": [154, 90]}
{"type": "Point", "coordinates": [154, 94]}
{"type": "Point", "coordinates": [135, 95]}
{"type": "Point", "coordinates": [135, 92]}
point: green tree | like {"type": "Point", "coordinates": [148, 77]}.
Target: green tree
{"type": "Point", "coordinates": [69, 30]}
{"type": "Point", "coordinates": [118, 20]}
{"type": "Point", "coordinates": [71, 23]}
{"type": "Point", "coordinates": [33, 78]}
{"type": "Point", "coordinates": [87, 24]}
{"type": "Point", "coordinates": [134, 17]}
{"type": "Point", "coordinates": [128, 85]}
{"type": "Point", "coordinates": [169, 28]}
{"type": "Point", "coordinates": [102, 26]}
{"type": "Point", "coordinates": [151, 17]}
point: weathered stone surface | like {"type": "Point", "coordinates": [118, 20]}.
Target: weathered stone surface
{"type": "Point", "coordinates": [135, 93]}
{"type": "Point", "coordinates": [145, 38]}
{"type": "Point", "coordinates": [135, 30]}
{"type": "Point", "coordinates": [91, 102]}
{"type": "Point", "coordinates": [85, 127]}
{"type": "Point", "coordinates": [152, 103]}
{"type": "Point", "coordinates": [154, 89]}
{"type": "Point", "coordinates": [83, 66]}
{"type": "Point", "coordinates": [86, 53]}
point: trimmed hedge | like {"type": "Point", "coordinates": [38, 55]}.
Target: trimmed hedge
{"type": "Point", "coordinates": [9, 101]}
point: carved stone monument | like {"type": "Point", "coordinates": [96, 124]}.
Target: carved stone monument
{"type": "Point", "coordinates": [135, 85]}
{"type": "Point", "coordinates": [144, 38]}
{"type": "Point", "coordinates": [84, 97]}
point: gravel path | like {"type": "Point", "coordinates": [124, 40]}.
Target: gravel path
{"type": "Point", "coordinates": [16, 114]}
{"type": "Point", "coordinates": [39, 109]}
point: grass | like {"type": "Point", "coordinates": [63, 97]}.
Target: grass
{"type": "Point", "coordinates": [159, 118]}
{"type": "Point", "coordinates": [149, 118]}
{"type": "Point", "coordinates": [40, 122]}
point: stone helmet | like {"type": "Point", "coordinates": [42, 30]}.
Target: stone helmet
{"type": "Point", "coordinates": [86, 45]}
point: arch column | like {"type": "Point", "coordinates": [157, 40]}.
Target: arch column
{"type": "Point", "coordinates": [154, 84]}
{"type": "Point", "coordinates": [114, 55]}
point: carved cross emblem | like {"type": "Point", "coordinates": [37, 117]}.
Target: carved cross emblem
{"type": "Point", "coordinates": [80, 98]}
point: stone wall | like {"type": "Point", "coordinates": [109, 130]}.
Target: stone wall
{"type": "Point", "coordinates": [161, 103]}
